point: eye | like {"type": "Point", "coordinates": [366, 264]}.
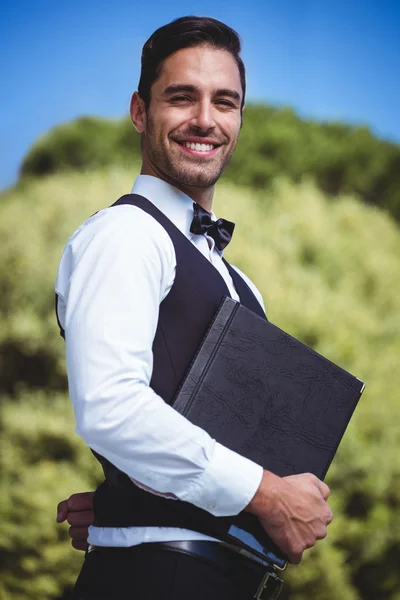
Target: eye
{"type": "Point", "coordinates": [180, 99]}
{"type": "Point", "coordinates": [225, 103]}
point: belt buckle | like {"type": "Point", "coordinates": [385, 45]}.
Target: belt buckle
{"type": "Point", "coordinates": [270, 587]}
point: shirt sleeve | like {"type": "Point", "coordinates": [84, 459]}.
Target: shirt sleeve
{"type": "Point", "coordinates": [251, 285]}
{"type": "Point", "coordinates": [112, 278]}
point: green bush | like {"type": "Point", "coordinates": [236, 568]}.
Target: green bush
{"type": "Point", "coordinates": [87, 142]}
{"type": "Point", "coordinates": [41, 462]}
{"type": "Point", "coordinates": [35, 223]}
{"type": "Point", "coordinates": [329, 275]}
{"type": "Point", "coordinates": [274, 142]}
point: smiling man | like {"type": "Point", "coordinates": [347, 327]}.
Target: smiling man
{"type": "Point", "coordinates": [137, 286]}
{"type": "Point", "coordinates": [191, 124]}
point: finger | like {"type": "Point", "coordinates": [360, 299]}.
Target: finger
{"type": "Point", "coordinates": [79, 545]}
{"type": "Point", "coordinates": [329, 516]}
{"type": "Point", "coordinates": [321, 535]}
{"type": "Point", "coordinates": [84, 518]}
{"type": "Point", "coordinates": [323, 488]}
{"type": "Point", "coordinates": [62, 511]}
{"type": "Point", "coordinates": [295, 558]}
{"type": "Point", "coordinates": [78, 534]}
{"type": "Point", "coordinates": [82, 501]}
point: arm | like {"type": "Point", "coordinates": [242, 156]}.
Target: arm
{"type": "Point", "coordinates": [120, 270]}
{"type": "Point", "coordinates": [125, 272]}
{"type": "Point", "coordinates": [292, 510]}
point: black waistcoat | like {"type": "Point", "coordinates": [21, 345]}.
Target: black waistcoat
{"type": "Point", "coordinates": [183, 320]}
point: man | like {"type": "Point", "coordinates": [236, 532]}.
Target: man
{"type": "Point", "coordinates": [136, 288]}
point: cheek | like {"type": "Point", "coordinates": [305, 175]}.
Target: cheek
{"type": "Point", "coordinates": [230, 123]}
{"type": "Point", "coordinates": [232, 131]}
{"type": "Point", "coordinates": [173, 120]}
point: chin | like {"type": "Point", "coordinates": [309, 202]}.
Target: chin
{"type": "Point", "coordinates": [198, 178]}
{"type": "Point", "coordinates": [198, 181]}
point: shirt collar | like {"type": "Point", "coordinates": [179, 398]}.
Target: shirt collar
{"type": "Point", "coordinates": [175, 205]}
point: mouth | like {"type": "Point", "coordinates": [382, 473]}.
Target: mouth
{"type": "Point", "coordinates": [198, 149]}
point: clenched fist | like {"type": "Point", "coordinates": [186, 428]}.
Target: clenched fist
{"type": "Point", "coordinates": [293, 511]}
{"type": "Point", "coordinates": [78, 511]}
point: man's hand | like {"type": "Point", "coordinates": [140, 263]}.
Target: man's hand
{"type": "Point", "coordinates": [78, 511]}
{"type": "Point", "coordinates": [293, 511]}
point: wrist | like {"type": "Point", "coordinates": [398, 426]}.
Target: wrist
{"type": "Point", "coordinates": [263, 499]}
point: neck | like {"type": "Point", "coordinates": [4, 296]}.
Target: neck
{"type": "Point", "coordinates": [203, 196]}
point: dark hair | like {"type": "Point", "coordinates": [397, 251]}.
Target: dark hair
{"type": "Point", "coordinates": [186, 32]}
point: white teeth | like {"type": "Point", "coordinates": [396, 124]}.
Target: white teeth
{"type": "Point", "coordinates": [199, 147]}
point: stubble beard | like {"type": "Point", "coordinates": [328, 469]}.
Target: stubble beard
{"type": "Point", "coordinates": [188, 171]}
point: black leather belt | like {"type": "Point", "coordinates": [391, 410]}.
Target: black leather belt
{"type": "Point", "coordinates": [223, 557]}
{"type": "Point", "coordinates": [228, 559]}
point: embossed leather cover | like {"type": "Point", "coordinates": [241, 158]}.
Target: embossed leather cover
{"type": "Point", "coordinates": [266, 395]}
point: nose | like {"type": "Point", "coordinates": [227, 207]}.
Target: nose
{"type": "Point", "coordinates": [203, 115]}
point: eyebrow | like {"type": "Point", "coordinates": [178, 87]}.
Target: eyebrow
{"type": "Point", "coordinates": [192, 89]}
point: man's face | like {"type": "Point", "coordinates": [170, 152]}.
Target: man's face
{"type": "Point", "coordinates": [194, 117]}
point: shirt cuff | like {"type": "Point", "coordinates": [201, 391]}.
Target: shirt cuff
{"type": "Point", "coordinates": [227, 485]}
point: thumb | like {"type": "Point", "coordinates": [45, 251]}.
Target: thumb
{"type": "Point", "coordinates": [62, 511]}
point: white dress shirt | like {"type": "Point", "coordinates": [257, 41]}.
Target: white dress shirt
{"type": "Point", "coordinates": [115, 271]}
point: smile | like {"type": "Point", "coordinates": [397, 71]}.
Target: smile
{"type": "Point", "coordinates": [197, 149]}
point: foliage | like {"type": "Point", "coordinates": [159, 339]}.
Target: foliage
{"type": "Point", "coordinates": [41, 462]}
{"type": "Point", "coordinates": [340, 158]}
{"type": "Point", "coordinates": [84, 143]}
{"type": "Point", "coordinates": [34, 225]}
{"type": "Point", "coordinates": [273, 142]}
{"type": "Point", "coordinates": [329, 275]}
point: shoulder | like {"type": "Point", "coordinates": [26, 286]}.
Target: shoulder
{"type": "Point", "coordinates": [251, 285]}
{"type": "Point", "coordinates": [130, 222]}
{"type": "Point", "coordinates": [120, 229]}
{"type": "Point", "coordinates": [122, 232]}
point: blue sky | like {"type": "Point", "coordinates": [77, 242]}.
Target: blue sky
{"type": "Point", "coordinates": [336, 60]}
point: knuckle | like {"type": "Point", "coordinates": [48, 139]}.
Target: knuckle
{"type": "Point", "coordinates": [329, 516]}
{"type": "Point", "coordinates": [297, 549]}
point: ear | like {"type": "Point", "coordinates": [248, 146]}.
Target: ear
{"type": "Point", "coordinates": [138, 113]}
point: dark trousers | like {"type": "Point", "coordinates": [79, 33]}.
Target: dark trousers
{"type": "Point", "coordinates": [151, 572]}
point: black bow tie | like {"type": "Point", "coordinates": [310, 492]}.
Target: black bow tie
{"type": "Point", "coordinates": [221, 231]}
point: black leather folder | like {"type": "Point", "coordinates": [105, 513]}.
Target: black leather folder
{"type": "Point", "coordinates": [269, 397]}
